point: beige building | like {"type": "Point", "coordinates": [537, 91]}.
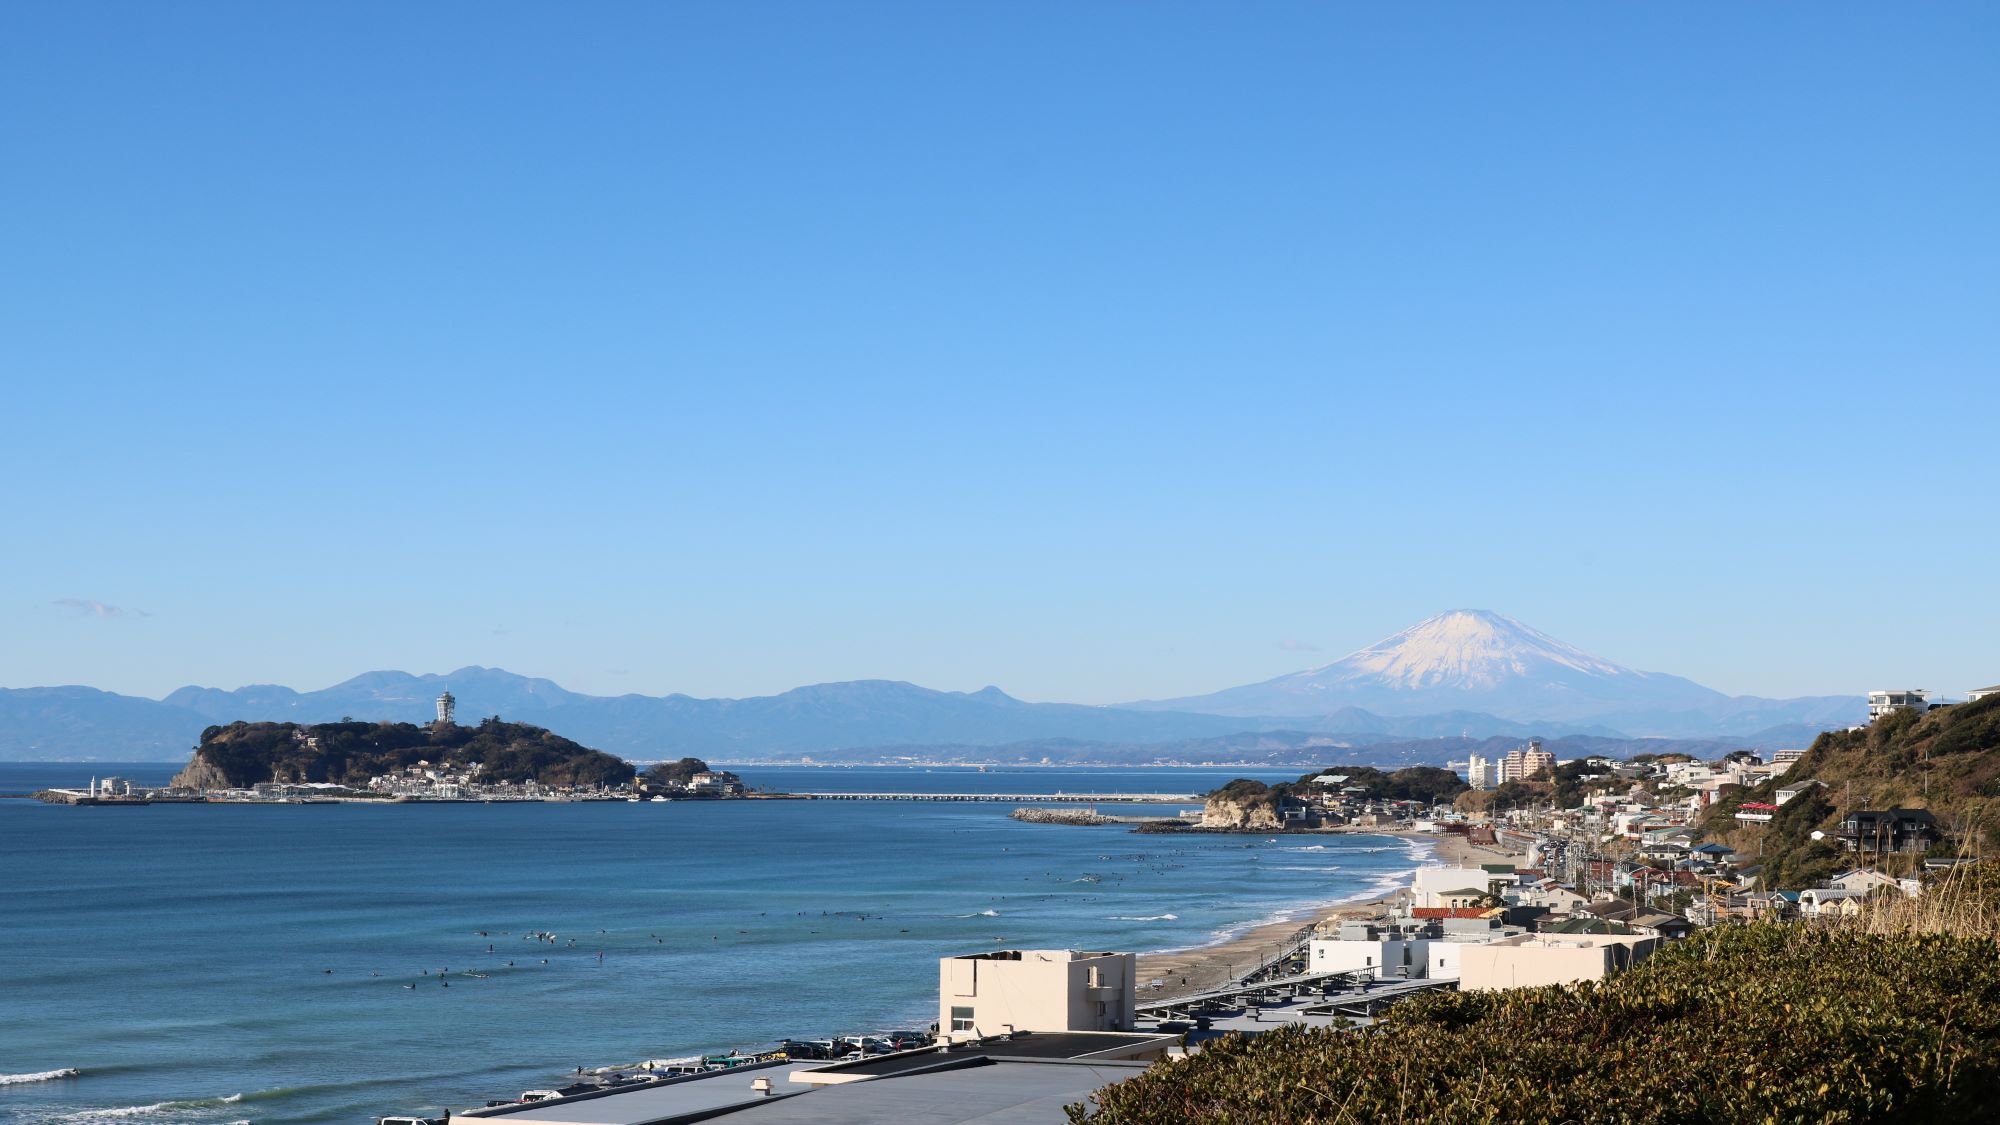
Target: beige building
{"type": "Point", "coordinates": [1533, 960]}
{"type": "Point", "coordinates": [1044, 990]}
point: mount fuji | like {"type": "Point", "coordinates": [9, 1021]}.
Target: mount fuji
{"type": "Point", "coordinates": [1480, 661]}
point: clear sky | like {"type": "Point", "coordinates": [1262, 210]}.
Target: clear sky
{"type": "Point", "coordinates": [1097, 351]}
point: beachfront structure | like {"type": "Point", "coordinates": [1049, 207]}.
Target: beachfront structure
{"type": "Point", "coordinates": [1451, 886]}
{"type": "Point", "coordinates": [1388, 953]}
{"type": "Point", "coordinates": [1042, 990]}
{"type": "Point", "coordinates": [1533, 960]}
{"type": "Point", "coordinates": [447, 707]}
{"type": "Point", "coordinates": [1881, 703]}
{"type": "Point", "coordinates": [1977, 694]}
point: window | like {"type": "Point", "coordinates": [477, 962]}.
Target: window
{"type": "Point", "coordinates": [961, 1019]}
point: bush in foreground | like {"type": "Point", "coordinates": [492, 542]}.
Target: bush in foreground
{"type": "Point", "coordinates": [1746, 1024]}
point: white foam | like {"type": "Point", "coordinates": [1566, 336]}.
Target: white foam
{"type": "Point", "coordinates": [1146, 918]}
{"type": "Point", "coordinates": [119, 1112]}
{"type": "Point", "coordinates": [37, 1076]}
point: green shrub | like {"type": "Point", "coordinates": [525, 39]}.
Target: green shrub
{"type": "Point", "coordinates": [1742, 1024]}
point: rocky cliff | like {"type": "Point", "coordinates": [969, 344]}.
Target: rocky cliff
{"type": "Point", "coordinates": [1242, 804]}
{"type": "Point", "coordinates": [200, 774]}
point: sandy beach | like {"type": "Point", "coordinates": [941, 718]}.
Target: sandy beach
{"type": "Point", "coordinates": [1206, 967]}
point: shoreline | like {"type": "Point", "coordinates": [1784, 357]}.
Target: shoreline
{"type": "Point", "coordinates": [1206, 967]}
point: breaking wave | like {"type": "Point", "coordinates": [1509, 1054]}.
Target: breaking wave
{"type": "Point", "coordinates": [1145, 918]}
{"type": "Point", "coordinates": [38, 1076]}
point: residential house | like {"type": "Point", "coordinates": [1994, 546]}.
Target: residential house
{"type": "Point", "coordinates": [1895, 830]}
{"type": "Point", "coordinates": [1881, 703]}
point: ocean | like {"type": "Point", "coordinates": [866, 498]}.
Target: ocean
{"type": "Point", "coordinates": [203, 965]}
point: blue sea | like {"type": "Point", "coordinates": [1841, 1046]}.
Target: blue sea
{"type": "Point", "coordinates": [203, 965]}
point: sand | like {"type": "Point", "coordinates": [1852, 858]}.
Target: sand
{"type": "Point", "coordinates": [1207, 967]}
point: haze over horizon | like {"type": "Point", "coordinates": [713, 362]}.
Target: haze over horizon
{"type": "Point", "coordinates": [1099, 354]}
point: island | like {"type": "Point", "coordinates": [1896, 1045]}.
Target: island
{"type": "Point", "coordinates": [354, 760]}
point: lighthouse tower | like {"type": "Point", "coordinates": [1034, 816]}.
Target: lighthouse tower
{"type": "Point", "coordinates": [446, 706]}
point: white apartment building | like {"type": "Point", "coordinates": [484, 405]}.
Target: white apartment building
{"type": "Point", "coordinates": [1482, 772]}
{"type": "Point", "coordinates": [1385, 955]}
{"type": "Point", "coordinates": [1433, 885]}
{"type": "Point", "coordinates": [1045, 990]}
{"type": "Point", "coordinates": [1880, 703]}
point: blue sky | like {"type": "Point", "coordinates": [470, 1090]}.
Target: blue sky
{"type": "Point", "coordinates": [1095, 351]}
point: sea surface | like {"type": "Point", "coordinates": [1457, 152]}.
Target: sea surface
{"type": "Point", "coordinates": [203, 965]}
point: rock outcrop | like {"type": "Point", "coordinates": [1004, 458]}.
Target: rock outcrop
{"type": "Point", "coordinates": [200, 773]}
{"type": "Point", "coordinates": [1242, 805]}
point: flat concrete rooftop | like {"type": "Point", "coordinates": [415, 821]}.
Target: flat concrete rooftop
{"type": "Point", "coordinates": [657, 1101]}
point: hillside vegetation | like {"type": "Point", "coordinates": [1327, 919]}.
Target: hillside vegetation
{"type": "Point", "coordinates": [1759, 1023]}
{"type": "Point", "coordinates": [352, 752]}
{"type": "Point", "coordinates": [1946, 760]}
{"type": "Point", "coordinates": [1413, 783]}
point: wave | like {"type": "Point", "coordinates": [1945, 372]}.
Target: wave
{"type": "Point", "coordinates": [38, 1076]}
{"type": "Point", "coordinates": [141, 1110]}
{"type": "Point", "coordinates": [1304, 867]}
{"type": "Point", "coordinates": [982, 914]}
{"type": "Point", "coordinates": [1146, 918]}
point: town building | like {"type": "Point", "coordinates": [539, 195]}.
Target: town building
{"type": "Point", "coordinates": [1482, 772]}
{"type": "Point", "coordinates": [1890, 830]}
{"type": "Point", "coordinates": [447, 707]}
{"type": "Point", "coordinates": [1533, 960]}
{"type": "Point", "coordinates": [1041, 990]}
{"type": "Point", "coordinates": [1977, 694]}
{"type": "Point", "coordinates": [1881, 703]}
{"type": "Point", "coordinates": [1451, 886]}
{"type": "Point", "coordinates": [1527, 763]}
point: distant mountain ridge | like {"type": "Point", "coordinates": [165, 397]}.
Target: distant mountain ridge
{"type": "Point", "coordinates": [1485, 662]}
{"type": "Point", "coordinates": [1465, 674]}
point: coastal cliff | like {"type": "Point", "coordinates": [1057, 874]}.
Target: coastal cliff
{"type": "Point", "coordinates": [1243, 804]}
{"type": "Point", "coordinates": [200, 773]}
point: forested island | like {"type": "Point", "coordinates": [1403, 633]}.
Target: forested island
{"type": "Point", "coordinates": [239, 755]}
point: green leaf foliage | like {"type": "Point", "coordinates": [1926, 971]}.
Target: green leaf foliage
{"type": "Point", "coordinates": [1762, 1023]}
{"type": "Point", "coordinates": [352, 752]}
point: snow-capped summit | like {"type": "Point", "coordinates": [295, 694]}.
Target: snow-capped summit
{"type": "Point", "coordinates": [1463, 648]}
{"type": "Point", "coordinates": [1463, 660]}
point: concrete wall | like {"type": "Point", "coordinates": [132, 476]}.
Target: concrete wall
{"type": "Point", "coordinates": [1534, 960]}
{"type": "Point", "coordinates": [1036, 990]}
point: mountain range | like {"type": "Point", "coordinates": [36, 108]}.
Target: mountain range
{"type": "Point", "coordinates": [1484, 662]}
{"type": "Point", "coordinates": [1462, 675]}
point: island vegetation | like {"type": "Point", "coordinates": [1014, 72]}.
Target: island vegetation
{"type": "Point", "coordinates": [239, 755]}
{"type": "Point", "coordinates": [1423, 784]}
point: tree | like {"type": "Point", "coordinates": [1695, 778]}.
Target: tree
{"type": "Point", "coordinates": [669, 775]}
